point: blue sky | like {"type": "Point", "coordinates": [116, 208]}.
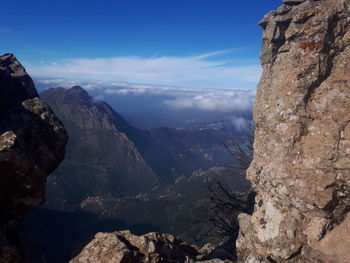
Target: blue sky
{"type": "Point", "coordinates": [194, 43]}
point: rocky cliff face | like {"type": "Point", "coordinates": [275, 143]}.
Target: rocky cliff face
{"type": "Point", "coordinates": [32, 143]}
{"type": "Point", "coordinates": [301, 166]}
{"type": "Point", "coordinates": [100, 158]}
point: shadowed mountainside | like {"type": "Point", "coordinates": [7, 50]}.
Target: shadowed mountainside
{"type": "Point", "coordinates": [100, 159]}
{"type": "Point", "coordinates": [108, 156]}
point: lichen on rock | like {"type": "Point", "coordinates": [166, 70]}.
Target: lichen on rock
{"type": "Point", "coordinates": [301, 165]}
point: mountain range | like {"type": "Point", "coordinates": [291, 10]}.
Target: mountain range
{"type": "Point", "coordinates": [108, 156]}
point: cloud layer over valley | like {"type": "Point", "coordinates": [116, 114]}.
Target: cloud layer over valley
{"type": "Point", "coordinates": [149, 106]}
{"type": "Point", "coordinates": [179, 98]}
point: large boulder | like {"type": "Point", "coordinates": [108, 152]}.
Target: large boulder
{"type": "Point", "coordinates": [32, 144]}
{"type": "Point", "coordinates": [301, 165]}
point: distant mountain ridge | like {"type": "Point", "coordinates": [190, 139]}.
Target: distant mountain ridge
{"type": "Point", "coordinates": [108, 156]}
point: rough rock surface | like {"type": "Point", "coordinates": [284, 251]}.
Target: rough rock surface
{"type": "Point", "coordinates": [153, 247]}
{"type": "Point", "coordinates": [301, 165]}
{"type": "Point", "coordinates": [32, 143]}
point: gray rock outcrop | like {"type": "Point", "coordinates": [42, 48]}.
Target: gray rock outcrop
{"type": "Point", "coordinates": [301, 165]}
{"type": "Point", "coordinates": [32, 144]}
{"type": "Point", "coordinates": [123, 246]}
{"type": "Point", "coordinates": [153, 247]}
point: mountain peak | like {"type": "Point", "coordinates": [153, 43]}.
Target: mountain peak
{"type": "Point", "coordinates": [8, 56]}
{"type": "Point", "coordinates": [77, 88]}
{"type": "Point", "coordinates": [80, 93]}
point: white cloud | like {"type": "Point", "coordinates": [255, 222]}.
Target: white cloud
{"type": "Point", "coordinates": [204, 70]}
{"type": "Point", "coordinates": [181, 98]}
{"type": "Point", "coordinates": [218, 100]}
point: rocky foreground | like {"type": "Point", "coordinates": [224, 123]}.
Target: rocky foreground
{"type": "Point", "coordinates": [32, 144]}
{"type": "Point", "coordinates": [301, 166]}
{"type": "Point", "coordinates": [153, 247]}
